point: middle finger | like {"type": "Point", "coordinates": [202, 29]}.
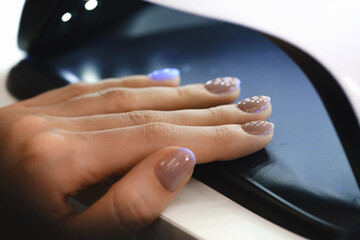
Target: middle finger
{"type": "Point", "coordinates": [250, 109]}
{"type": "Point", "coordinates": [115, 100]}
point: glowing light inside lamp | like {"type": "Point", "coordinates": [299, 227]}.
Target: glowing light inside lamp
{"type": "Point", "coordinates": [89, 73]}
{"type": "Point", "coordinates": [69, 76]}
{"type": "Point", "coordinates": [66, 17]}
{"type": "Point", "coordinates": [91, 5]}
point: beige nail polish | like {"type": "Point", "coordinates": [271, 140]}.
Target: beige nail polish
{"type": "Point", "coordinates": [175, 168]}
{"type": "Point", "coordinates": [222, 85]}
{"type": "Point", "coordinates": [254, 104]}
{"type": "Point", "coordinates": [259, 128]}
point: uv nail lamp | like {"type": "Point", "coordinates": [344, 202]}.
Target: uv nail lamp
{"type": "Point", "coordinates": [304, 54]}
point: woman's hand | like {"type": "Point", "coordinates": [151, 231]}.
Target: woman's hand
{"type": "Point", "coordinates": [56, 144]}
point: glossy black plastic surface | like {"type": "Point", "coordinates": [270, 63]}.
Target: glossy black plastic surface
{"type": "Point", "coordinates": [50, 27]}
{"type": "Point", "coordinates": [302, 180]}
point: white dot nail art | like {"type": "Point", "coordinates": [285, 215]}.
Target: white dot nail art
{"type": "Point", "coordinates": [259, 128]}
{"type": "Point", "coordinates": [222, 85]}
{"type": "Point", "coordinates": [254, 104]}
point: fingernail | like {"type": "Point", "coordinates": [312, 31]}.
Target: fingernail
{"type": "Point", "coordinates": [222, 85]}
{"type": "Point", "coordinates": [259, 128]}
{"type": "Point", "coordinates": [175, 168]}
{"type": "Point", "coordinates": [164, 74]}
{"type": "Point", "coordinates": [254, 104]}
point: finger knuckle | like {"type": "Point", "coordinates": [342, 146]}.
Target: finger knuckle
{"type": "Point", "coordinates": [22, 125]}
{"type": "Point", "coordinates": [132, 211]}
{"type": "Point", "coordinates": [220, 133]}
{"type": "Point", "coordinates": [160, 133]}
{"type": "Point", "coordinates": [213, 114]}
{"type": "Point", "coordinates": [181, 92]}
{"type": "Point", "coordinates": [141, 117]}
{"type": "Point", "coordinates": [77, 89]}
{"type": "Point", "coordinates": [40, 145]}
{"type": "Point", "coordinates": [120, 99]}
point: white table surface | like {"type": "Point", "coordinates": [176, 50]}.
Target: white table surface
{"type": "Point", "coordinates": [198, 210]}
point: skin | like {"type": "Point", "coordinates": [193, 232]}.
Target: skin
{"type": "Point", "coordinates": [61, 142]}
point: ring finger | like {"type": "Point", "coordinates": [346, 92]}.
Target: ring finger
{"type": "Point", "coordinates": [250, 109]}
{"type": "Point", "coordinates": [115, 100]}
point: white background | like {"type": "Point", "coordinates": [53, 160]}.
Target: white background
{"type": "Point", "coordinates": [10, 54]}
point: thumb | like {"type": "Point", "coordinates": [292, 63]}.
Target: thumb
{"type": "Point", "coordinates": [138, 198]}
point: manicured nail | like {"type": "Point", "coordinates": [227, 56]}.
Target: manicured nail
{"type": "Point", "coordinates": [254, 104]}
{"type": "Point", "coordinates": [175, 168]}
{"type": "Point", "coordinates": [259, 128]}
{"type": "Point", "coordinates": [164, 74]}
{"type": "Point", "coordinates": [222, 85]}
